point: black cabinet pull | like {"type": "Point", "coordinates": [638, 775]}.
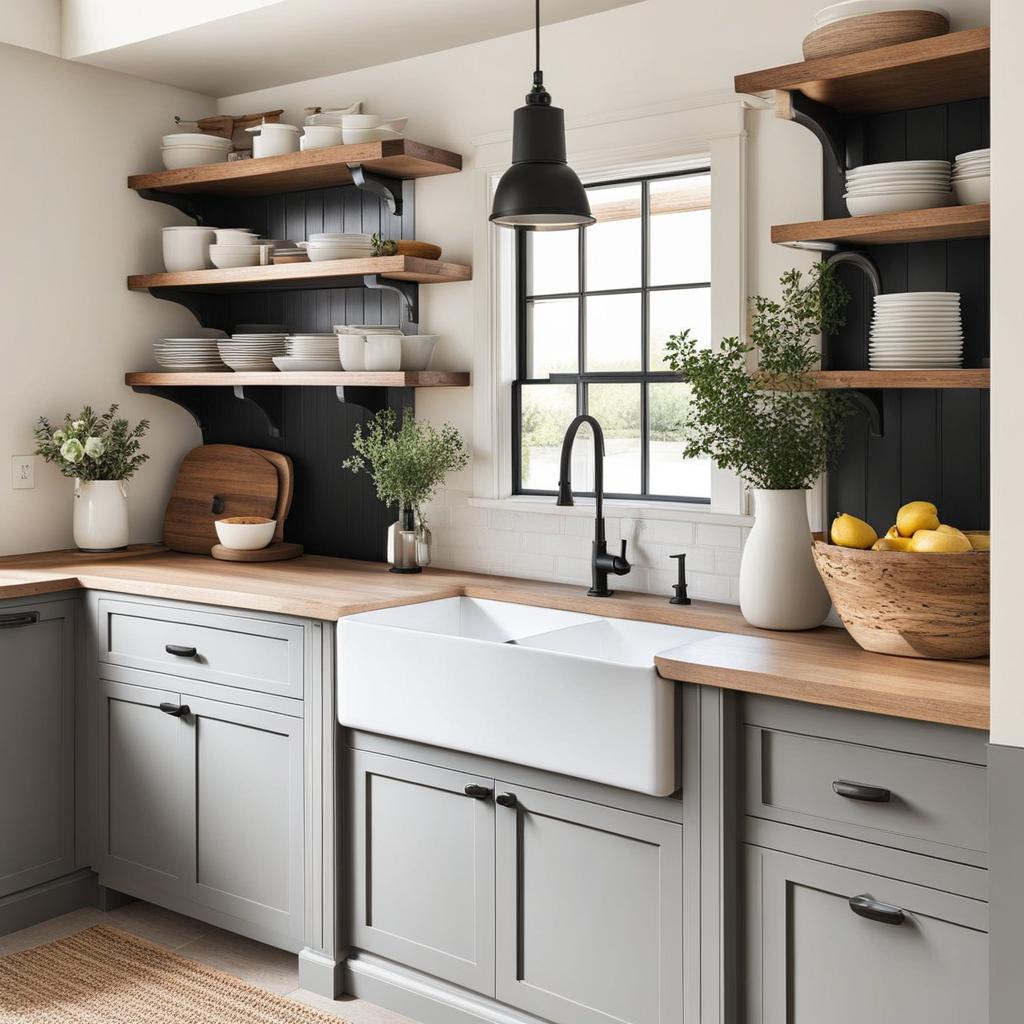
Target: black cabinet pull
{"type": "Point", "coordinates": [884, 913]}
{"type": "Point", "coordinates": [174, 710]}
{"type": "Point", "coordinates": [506, 799]}
{"type": "Point", "coordinates": [18, 619]}
{"type": "Point", "coordinates": [858, 791]}
{"type": "Point", "coordinates": [477, 792]}
{"type": "Point", "coordinates": [181, 652]}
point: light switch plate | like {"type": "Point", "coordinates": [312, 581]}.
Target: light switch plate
{"type": "Point", "coordinates": [23, 472]}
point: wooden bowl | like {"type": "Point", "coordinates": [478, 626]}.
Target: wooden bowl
{"type": "Point", "coordinates": [424, 250]}
{"type": "Point", "coordinates": [912, 604]}
{"type": "Point", "coordinates": [870, 31]}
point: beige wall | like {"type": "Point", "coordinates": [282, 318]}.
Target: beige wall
{"type": "Point", "coordinates": [34, 24]}
{"type": "Point", "coordinates": [72, 232]}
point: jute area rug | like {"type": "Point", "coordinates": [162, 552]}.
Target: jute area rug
{"type": "Point", "coordinates": [104, 976]}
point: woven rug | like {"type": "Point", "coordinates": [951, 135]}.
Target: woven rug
{"type": "Point", "coordinates": [104, 976]}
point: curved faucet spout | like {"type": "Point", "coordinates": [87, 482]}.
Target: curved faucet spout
{"type": "Point", "coordinates": [565, 467]}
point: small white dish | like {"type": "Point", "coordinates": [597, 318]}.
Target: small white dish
{"type": "Point", "coordinates": [243, 256]}
{"type": "Point", "coordinates": [384, 353]}
{"type": "Point", "coordinates": [970, 191]}
{"type": "Point", "coordinates": [295, 364]}
{"type": "Point", "coordinates": [245, 533]}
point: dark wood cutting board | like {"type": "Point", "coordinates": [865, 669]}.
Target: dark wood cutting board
{"type": "Point", "coordinates": [214, 481]}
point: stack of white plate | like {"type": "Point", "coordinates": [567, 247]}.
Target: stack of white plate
{"type": "Point", "coordinates": [338, 245]}
{"type": "Point", "coordinates": [972, 177]}
{"type": "Point", "coordinates": [916, 331]}
{"type": "Point", "coordinates": [249, 352]}
{"type": "Point", "coordinates": [310, 352]}
{"type": "Point", "coordinates": [196, 354]}
{"type": "Point", "coordinates": [900, 185]}
{"type": "Point", "coordinates": [190, 149]}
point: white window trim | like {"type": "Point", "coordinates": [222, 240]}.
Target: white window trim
{"type": "Point", "coordinates": [708, 129]}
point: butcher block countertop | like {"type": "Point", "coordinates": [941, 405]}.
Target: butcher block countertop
{"type": "Point", "coordinates": [820, 666]}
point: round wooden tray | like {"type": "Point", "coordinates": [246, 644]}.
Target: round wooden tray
{"type": "Point", "coordinates": [870, 31]}
{"type": "Point", "coordinates": [278, 551]}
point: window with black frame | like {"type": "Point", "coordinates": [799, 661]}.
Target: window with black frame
{"type": "Point", "coordinates": [595, 308]}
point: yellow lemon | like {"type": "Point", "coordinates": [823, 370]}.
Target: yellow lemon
{"type": "Point", "coordinates": [939, 541]}
{"type": "Point", "coordinates": [952, 531]}
{"type": "Point", "coordinates": [917, 515]}
{"type": "Point", "coordinates": [981, 540]}
{"type": "Point", "coordinates": [850, 532]}
{"type": "Point", "coordinates": [892, 532]}
{"type": "Point", "coordinates": [893, 544]}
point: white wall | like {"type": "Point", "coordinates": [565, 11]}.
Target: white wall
{"type": "Point", "coordinates": [34, 24]}
{"type": "Point", "coordinates": [73, 233]}
{"type": "Point", "coordinates": [1007, 373]}
{"type": "Point", "coordinates": [658, 53]}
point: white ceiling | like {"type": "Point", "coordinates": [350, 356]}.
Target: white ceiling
{"type": "Point", "coordinates": [295, 40]}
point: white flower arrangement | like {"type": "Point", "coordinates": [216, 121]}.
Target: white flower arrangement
{"type": "Point", "coordinates": [92, 447]}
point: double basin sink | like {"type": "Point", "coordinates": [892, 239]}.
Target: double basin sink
{"type": "Point", "coordinates": [564, 692]}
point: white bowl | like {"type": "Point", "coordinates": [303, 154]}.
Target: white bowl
{"type": "Point", "coordinates": [195, 139]}
{"type": "Point", "coordinates": [352, 352]}
{"type": "Point", "coordinates": [186, 248]}
{"type": "Point", "coordinates": [973, 190]}
{"type": "Point", "coordinates": [383, 353]}
{"type": "Point", "coordinates": [306, 364]}
{"type": "Point", "coordinates": [321, 254]}
{"type": "Point", "coordinates": [245, 536]}
{"type": "Point", "coordinates": [356, 136]}
{"type": "Point", "coordinates": [177, 157]}
{"type": "Point", "coordinates": [230, 260]}
{"type": "Point", "coordinates": [235, 236]}
{"type": "Point", "coordinates": [865, 206]}
{"type": "Point", "coordinates": [321, 136]}
{"type": "Point", "coordinates": [274, 143]}
{"type": "Point", "coordinates": [417, 350]}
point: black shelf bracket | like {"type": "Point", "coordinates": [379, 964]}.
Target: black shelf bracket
{"type": "Point", "coordinates": [863, 262]}
{"type": "Point", "coordinates": [373, 400]}
{"type": "Point", "coordinates": [190, 399]}
{"type": "Point", "coordinates": [269, 401]}
{"type": "Point", "coordinates": [872, 402]}
{"type": "Point", "coordinates": [190, 205]}
{"type": "Point", "coordinates": [386, 188]}
{"type": "Point", "coordinates": [826, 124]}
{"type": "Point", "coordinates": [194, 302]}
{"type": "Point", "coordinates": [408, 296]}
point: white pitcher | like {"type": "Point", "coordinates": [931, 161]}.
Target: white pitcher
{"type": "Point", "coordinates": [101, 515]}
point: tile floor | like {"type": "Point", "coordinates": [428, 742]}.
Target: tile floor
{"type": "Point", "coordinates": [253, 962]}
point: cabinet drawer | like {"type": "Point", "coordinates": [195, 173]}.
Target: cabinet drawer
{"type": "Point", "coordinates": [911, 801]}
{"type": "Point", "coordinates": [249, 653]}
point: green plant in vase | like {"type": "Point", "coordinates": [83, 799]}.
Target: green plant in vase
{"type": "Point", "coordinates": [756, 409]}
{"type": "Point", "coordinates": [407, 463]}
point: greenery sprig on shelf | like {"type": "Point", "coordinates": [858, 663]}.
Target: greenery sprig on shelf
{"type": "Point", "coordinates": [91, 447]}
{"type": "Point", "coordinates": [408, 463]}
{"type": "Point", "coordinates": [773, 426]}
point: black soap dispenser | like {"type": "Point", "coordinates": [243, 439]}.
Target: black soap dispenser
{"type": "Point", "coordinates": [680, 587]}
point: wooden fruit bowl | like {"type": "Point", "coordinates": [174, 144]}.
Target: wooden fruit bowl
{"type": "Point", "coordinates": [871, 31]}
{"type": "Point", "coordinates": [912, 604]}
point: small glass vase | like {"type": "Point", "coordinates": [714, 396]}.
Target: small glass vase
{"type": "Point", "coordinates": [405, 544]}
{"type": "Point", "coordinates": [423, 542]}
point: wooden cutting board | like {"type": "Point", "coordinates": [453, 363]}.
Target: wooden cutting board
{"type": "Point", "coordinates": [214, 481]}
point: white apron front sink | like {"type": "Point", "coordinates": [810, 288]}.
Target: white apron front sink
{"type": "Point", "coordinates": [564, 692]}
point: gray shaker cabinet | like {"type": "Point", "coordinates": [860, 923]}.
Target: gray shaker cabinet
{"type": "Point", "coordinates": [589, 910]}
{"type": "Point", "coordinates": [37, 743]}
{"type": "Point", "coordinates": [811, 958]}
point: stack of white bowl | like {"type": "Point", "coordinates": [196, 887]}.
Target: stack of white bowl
{"type": "Point", "coordinates": [358, 128]}
{"type": "Point", "coordinates": [899, 185]}
{"type": "Point", "coordinates": [916, 331]}
{"type": "Point", "coordinates": [187, 248]}
{"type": "Point", "coordinates": [972, 177]}
{"type": "Point", "coordinates": [252, 352]}
{"type": "Point", "coordinates": [239, 247]}
{"type": "Point", "coordinates": [337, 245]}
{"type": "Point", "coordinates": [191, 149]}
{"type": "Point", "coordinates": [314, 352]}
{"type": "Point", "coordinates": [188, 354]}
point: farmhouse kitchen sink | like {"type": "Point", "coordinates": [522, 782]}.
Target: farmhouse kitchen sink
{"type": "Point", "coordinates": [570, 693]}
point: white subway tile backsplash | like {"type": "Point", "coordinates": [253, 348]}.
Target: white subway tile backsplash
{"type": "Point", "coordinates": [712, 535]}
{"type": "Point", "coordinates": [665, 532]}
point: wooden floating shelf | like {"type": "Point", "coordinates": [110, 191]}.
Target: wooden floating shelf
{"type": "Point", "coordinates": [276, 378]}
{"type": "Point", "coordinates": [835, 380]}
{"type": "Point", "coordinates": [924, 73]}
{"type": "Point", "coordinates": [946, 222]}
{"type": "Point", "coordinates": [325, 274]}
{"type": "Point", "coordinates": [316, 168]}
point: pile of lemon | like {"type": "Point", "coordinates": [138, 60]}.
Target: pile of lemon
{"type": "Point", "coordinates": [917, 528]}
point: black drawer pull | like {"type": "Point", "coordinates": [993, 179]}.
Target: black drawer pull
{"type": "Point", "coordinates": [18, 619]}
{"type": "Point", "coordinates": [477, 792]}
{"type": "Point", "coordinates": [175, 710]}
{"type": "Point", "coordinates": [858, 791]}
{"type": "Point", "coordinates": [506, 799]}
{"type": "Point", "coordinates": [181, 652]}
{"type": "Point", "coordinates": [884, 913]}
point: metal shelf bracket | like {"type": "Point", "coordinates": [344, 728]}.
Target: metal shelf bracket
{"type": "Point", "coordinates": [826, 123]}
{"type": "Point", "coordinates": [269, 401]}
{"type": "Point", "coordinates": [871, 402]}
{"type": "Point", "coordinates": [190, 399]}
{"type": "Point", "coordinates": [191, 206]}
{"type": "Point", "coordinates": [373, 400]}
{"type": "Point", "coordinates": [408, 295]}
{"type": "Point", "coordinates": [386, 188]}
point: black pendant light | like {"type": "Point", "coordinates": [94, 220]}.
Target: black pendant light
{"type": "Point", "coordinates": [540, 191]}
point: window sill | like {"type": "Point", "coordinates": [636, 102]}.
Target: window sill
{"type": "Point", "coordinates": [614, 507]}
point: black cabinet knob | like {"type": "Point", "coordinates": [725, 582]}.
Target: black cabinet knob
{"type": "Point", "coordinates": [181, 652]}
{"type": "Point", "coordinates": [477, 792]}
{"type": "Point", "coordinates": [861, 791]}
{"type": "Point", "coordinates": [884, 913]}
{"type": "Point", "coordinates": [174, 710]}
{"type": "Point", "coordinates": [507, 799]}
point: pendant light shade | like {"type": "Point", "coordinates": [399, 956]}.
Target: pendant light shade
{"type": "Point", "coordinates": [540, 191]}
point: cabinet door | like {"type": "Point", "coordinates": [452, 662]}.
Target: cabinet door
{"type": "Point", "coordinates": [423, 867]}
{"type": "Point", "coordinates": [37, 744]}
{"type": "Point", "coordinates": [143, 806]}
{"type": "Point", "coordinates": [243, 774]}
{"type": "Point", "coordinates": [589, 911]}
{"type": "Point", "coordinates": [813, 958]}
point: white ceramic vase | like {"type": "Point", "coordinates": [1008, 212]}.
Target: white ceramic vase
{"type": "Point", "coordinates": [779, 585]}
{"type": "Point", "coordinates": [101, 515]}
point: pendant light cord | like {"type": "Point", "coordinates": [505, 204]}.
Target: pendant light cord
{"type": "Point", "coordinates": [537, 35]}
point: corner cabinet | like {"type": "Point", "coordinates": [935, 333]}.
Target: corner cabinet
{"type": "Point", "coordinates": [37, 743]}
